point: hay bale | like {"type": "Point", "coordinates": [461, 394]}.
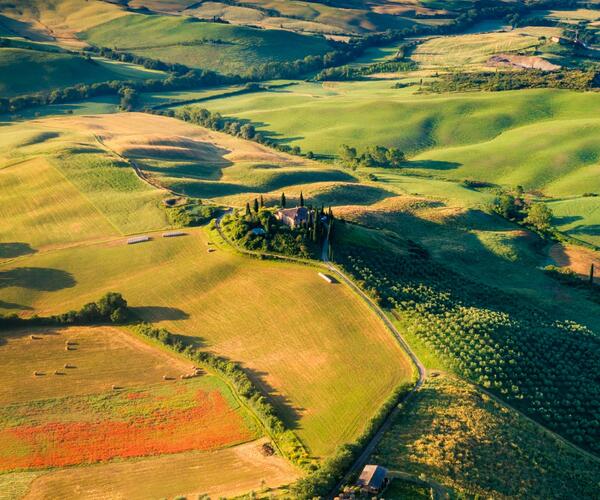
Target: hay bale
{"type": "Point", "coordinates": [38, 374]}
{"type": "Point", "coordinates": [57, 372]}
{"type": "Point", "coordinates": [67, 366]}
{"type": "Point", "coordinates": [116, 387]}
{"type": "Point", "coordinates": [35, 337]}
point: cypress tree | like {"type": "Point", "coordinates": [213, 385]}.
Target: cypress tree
{"type": "Point", "coordinates": [248, 213]}
{"type": "Point", "coordinates": [282, 200]}
{"type": "Point", "coordinates": [255, 206]}
{"type": "Point", "coordinates": [301, 199]}
{"type": "Point", "coordinates": [262, 201]}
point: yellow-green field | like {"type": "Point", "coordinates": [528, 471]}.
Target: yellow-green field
{"type": "Point", "coordinates": [100, 356]}
{"type": "Point", "coordinates": [474, 50]}
{"type": "Point", "coordinates": [298, 336]}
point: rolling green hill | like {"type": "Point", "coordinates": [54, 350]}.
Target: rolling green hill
{"type": "Point", "coordinates": [549, 134]}
{"type": "Point", "coordinates": [220, 47]}
{"type": "Point", "coordinates": [26, 71]}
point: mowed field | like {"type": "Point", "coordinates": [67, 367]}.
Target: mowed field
{"type": "Point", "coordinates": [158, 430]}
{"type": "Point", "coordinates": [263, 314]}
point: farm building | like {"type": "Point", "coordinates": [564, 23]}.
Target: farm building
{"type": "Point", "coordinates": [258, 231]}
{"type": "Point", "coordinates": [138, 239]}
{"type": "Point", "coordinates": [372, 479]}
{"type": "Point", "coordinates": [293, 217]}
{"type": "Point", "coordinates": [173, 234]}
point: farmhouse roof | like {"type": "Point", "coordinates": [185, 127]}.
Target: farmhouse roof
{"type": "Point", "coordinates": [372, 476]}
{"type": "Point", "coordinates": [258, 231]}
{"type": "Point", "coordinates": [295, 213]}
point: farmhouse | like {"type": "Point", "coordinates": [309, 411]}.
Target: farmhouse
{"type": "Point", "coordinates": [372, 479]}
{"type": "Point", "coordinates": [293, 217]}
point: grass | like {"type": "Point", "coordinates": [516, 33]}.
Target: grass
{"type": "Point", "coordinates": [95, 106]}
{"type": "Point", "coordinates": [578, 217]}
{"type": "Point", "coordinates": [131, 363]}
{"type": "Point", "coordinates": [456, 136]}
{"type": "Point", "coordinates": [454, 434]}
{"type": "Point", "coordinates": [28, 71]}
{"type": "Point", "coordinates": [63, 188]}
{"type": "Point", "coordinates": [282, 312]}
{"type": "Point", "coordinates": [187, 474]}
{"type": "Point", "coordinates": [221, 47]}
{"type": "Point", "coordinates": [473, 50]}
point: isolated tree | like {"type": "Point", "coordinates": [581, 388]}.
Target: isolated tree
{"type": "Point", "coordinates": [129, 98]}
{"type": "Point", "coordinates": [539, 216]}
{"type": "Point", "coordinates": [255, 206]}
{"type": "Point", "coordinates": [347, 154]}
{"type": "Point", "coordinates": [301, 199]}
{"type": "Point", "coordinates": [262, 201]}
{"type": "Point", "coordinates": [395, 157]}
{"type": "Point", "coordinates": [282, 200]}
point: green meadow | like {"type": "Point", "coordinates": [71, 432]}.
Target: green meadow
{"type": "Point", "coordinates": [27, 71]}
{"type": "Point", "coordinates": [220, 47]}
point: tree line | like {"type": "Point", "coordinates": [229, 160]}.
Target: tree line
{"type": "Point", "coordinates": [111, 308]}
{"type": "Point", "coordinates": [373, 156]}
{"type": "Point", "coordinates": [573, 79]}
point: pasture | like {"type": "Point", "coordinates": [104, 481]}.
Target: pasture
{"type": "Point", "coordinates": [450, 426]}
{"type": "Point", "coordinates": [27, 71]}
{"type": "Point", "coordinates": [263, 315]}
{"type": "Point", "coordinates": [478, 136]}
{"type": "Point", "coordinates": [220, 47]}
{"type": "Point", "coordinates": [63, 187]}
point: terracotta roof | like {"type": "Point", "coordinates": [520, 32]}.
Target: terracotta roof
{"type": "Point", "coordinates": [372, 476]}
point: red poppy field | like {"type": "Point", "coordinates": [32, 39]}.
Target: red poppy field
{"type": "Point", "coordinates": [173, 417]}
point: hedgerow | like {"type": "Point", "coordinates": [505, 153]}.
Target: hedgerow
{"type": "Point", "coordinates": [286, 440]}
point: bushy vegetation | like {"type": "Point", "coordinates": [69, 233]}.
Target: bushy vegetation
{"type": "Point", "coordinates": [532, 357]}
{"type": "Point", "coordinates": [111, 308]}
{"type": "Point", "coordinates": [453, 433]}
{"type": "Point", "coordinates": [514, 80]}
{"type": "Point", "coordinates": [348, 73]}
{"type": "Point", "coordinates": [373, 156]}
{"type": "Point", "coordinates": [192, 214]}
{"type": "Point", "coordinates": [257, 229]}
{"type": "Point", "coordinates": [286, 440]}
{"type": "Point", "coordinates": [513, 206]}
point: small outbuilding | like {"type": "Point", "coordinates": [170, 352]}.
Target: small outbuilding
{"type": "Point", "coordinates": [258, 231]}
{"type": "Point", "coordinates": [373, 479]}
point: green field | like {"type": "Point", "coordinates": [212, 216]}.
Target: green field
{"type": "Point", "coordinates": [220, 47]}
{"type": "Point", "coordinates": [457, 136]}
{"type": "Point", "coordinates": [27, 71]}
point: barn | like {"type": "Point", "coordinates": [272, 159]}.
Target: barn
{"type": "Point", "coordinates": [373, 479]}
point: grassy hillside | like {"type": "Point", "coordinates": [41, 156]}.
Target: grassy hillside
{"type": "Point", "coordinates": [454, 434]}
{"type": "Point", "coordinates": [64, 188]}
{"type": "Point", "coordinates": [220, 47]}
{"type": "Point", "coordinates": [27, 71]}
{"type": "Point", "coordinates": [263, 314]}
{"type": "Point", "coordinates": [478, 135]}
{"type": "Point", "coordinates": [282, 311]}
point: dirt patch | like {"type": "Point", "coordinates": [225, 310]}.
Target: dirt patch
{"type": "Point", "coordinates": [521, 62]}
{"type": "Point", "coordinates": [578, 259]}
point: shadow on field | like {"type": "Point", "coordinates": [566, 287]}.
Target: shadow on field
{"type": "Point", "coordinates": [12, 305]}
{"type": "Point", "coordinates": [566, 219]}
{"type": "Point", "coordinates": [159, 313]}
{"type": "Point", "coordinates": [289, 413]}
{"type": "Point", "coordinates": [433, 164]}
{"type": "Point", "coordinates": [37, 332]}
{"type": "Point", "coordinates": [589, 229]}
{"type": "Point", "coordinates": [16, 249]}
{"type": "Point", "coordinates": [37, 278]}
